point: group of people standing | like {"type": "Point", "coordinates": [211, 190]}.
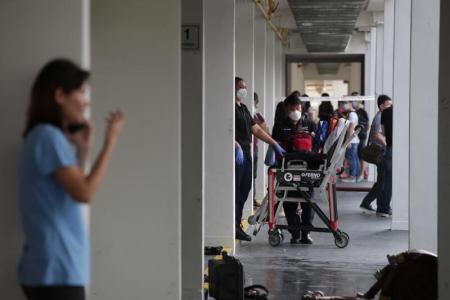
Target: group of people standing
{"type": "Point", "coordinates": [292, 116]}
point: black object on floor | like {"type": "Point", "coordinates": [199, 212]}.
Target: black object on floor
{"type": "Point", "coordinates": [226, 278]}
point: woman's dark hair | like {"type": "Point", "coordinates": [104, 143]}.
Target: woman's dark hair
{"type": "Point", "coordinates": [237, 79]}
{"type": "Point", "coordinates": [382, 98]}
{"type": "Point", "coordinates": [280, 112]}
{"type": "Point", "coordinates": [306, 106]}
{"type": "Point", "coordinates": [325, 95]}
{"type": "Point", "coordinates": [58, 73]}
{"type": "Point", "coordinates": [325, 110]}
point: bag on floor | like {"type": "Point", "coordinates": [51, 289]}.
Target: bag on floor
{"type": "Point", "coordinates": [410, 275]}
{"type": "Point", "coordinates": [226, 278]}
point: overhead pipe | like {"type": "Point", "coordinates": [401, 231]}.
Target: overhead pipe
{"type": "Point", "coordinates": [268, 16]}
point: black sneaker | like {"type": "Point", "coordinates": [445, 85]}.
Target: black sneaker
{"type": "Point", "coordinates": [306, 239]}
{"type": "Point", "coordinates": [241, 235]}
{"type": "Point", "coordinates": [383, 214]}
{"type": "Point", "coordinates": [367, 209]}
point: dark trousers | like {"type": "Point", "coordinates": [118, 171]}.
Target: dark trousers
{"type": "Point", "coordinates": [243, 184]}
{"type": "Point", "coordinates": [54, 292]}
{"type": "Point", "coordinates": [293, 219]}
{"type": "Point", "coordinates": [384, 201]}
{"type": "Point", "coordinates": [377, 188]}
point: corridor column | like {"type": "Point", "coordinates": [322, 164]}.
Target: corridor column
{"type": "Point", "coordinates": [32, 33]}
{"type": "Point", "coordinates": [219, 42]}
{"type": "Point", "coordinates": [444, 150]}
{"type": "Point", "coordinates": [423, 123]}
{"type": "Point", "coordinates": [270, 77]}
{"type": "Point", "coordinates": [136, 215]}
{"type": "Point", "coordinates": [259, 87]}
{"type": "Point", "coordinates": [279, 91]}
{"type": "Point", "coordinates": [401, 95]}
{"type": "Point", "coordinates": [192, 205]}
{"type": "Point", "coordinates": [244, 64]}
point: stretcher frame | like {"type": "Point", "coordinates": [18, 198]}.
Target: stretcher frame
{"type": "Point", "coordinates": [281, 180]}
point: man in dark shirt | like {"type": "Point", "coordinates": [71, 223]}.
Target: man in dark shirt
{"type": "Point", "coordinates": [284, 132]}
{"type": "Point", "coordinates": [384, 201]}
{"type": "Point", "coordinates": [245, 126]}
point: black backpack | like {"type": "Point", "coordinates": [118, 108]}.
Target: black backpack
{"type": "Point", "coordinates": [363, 121]}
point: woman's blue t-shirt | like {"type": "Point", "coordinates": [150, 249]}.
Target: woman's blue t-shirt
{"type": "Point", "coordinates": [56, 247]}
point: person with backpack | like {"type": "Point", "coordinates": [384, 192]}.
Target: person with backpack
{"type": "Point", "coordinates": [352, 150]}
{"type": "Point", "coordinates": [363, 121]}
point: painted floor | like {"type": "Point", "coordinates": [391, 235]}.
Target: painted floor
{"type": "Point", "coordinates": [289, 271]}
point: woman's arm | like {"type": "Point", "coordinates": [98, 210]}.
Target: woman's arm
{"type": "Point", "coordinates": [75, 182]}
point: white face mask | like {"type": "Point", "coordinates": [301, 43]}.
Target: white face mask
{"type": "Point", "coordinates": [295, 115]}
{"type": "Point", "coordinates": [241, 94]}
{"type": "Point", "coordinates": [346, 107]}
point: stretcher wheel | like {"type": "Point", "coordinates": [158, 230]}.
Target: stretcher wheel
{"type": "Point", "coordinates": [342, 241]}
{"type": "Point", "coordinates": [275, 238]}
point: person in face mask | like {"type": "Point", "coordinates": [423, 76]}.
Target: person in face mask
{"type": "Point", "coordinates": [284, 132]}
{"type": "Point", "coordinates": [245, 126]}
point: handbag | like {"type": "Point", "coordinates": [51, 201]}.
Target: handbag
{"type": "Point", "coordinates": [373, 154]}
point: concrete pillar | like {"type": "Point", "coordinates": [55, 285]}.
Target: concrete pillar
{"type": "Point", "coordinates": [192, 156]}
{"type": "Point", "coordinates": [444, 150]}
{"type": "Point", "coordinates": [279, 91]}
{"type": "Point", "coordinates": [401, 95]}
{"type": "Point", "coordinates": [388, 47]}
{"type": "Point", "coordinates": [270, 77]}
{"type": "Point", "coordinates": [423, 121]}
{"type": "Point", "coordinates": [136, 215]}
{"type": "Point", "coordinates": [244, 63]}
{"type": "Point", "coordinates": [259, 87]}
{"type": "Point", "coordinates": [219, 42]}
{"type": "Point", "coordinates": [31, 35]}
{"type": "Point", "coordinates": [373, 62]}
{"type": "Point", "coordinates": [379, 58]}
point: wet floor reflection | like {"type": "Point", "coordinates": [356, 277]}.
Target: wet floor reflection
{"type": "Point", "coordinates": [289, 271]}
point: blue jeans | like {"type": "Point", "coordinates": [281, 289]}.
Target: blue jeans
{"type": "Point", "coordinates": [353, 160]}
{"type": "Point", "coordinates": [384, 201]}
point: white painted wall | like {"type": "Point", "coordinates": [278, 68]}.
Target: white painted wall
{"type": "Point", "coordinates": [31, 34]}
{"type": "Point", "coordinates": [423, 121]}
{"type": "Point", "coordinates": [259, 87]}
{"type": "Point", "coordinates": [444, 150]}
{"type": "Point", "coordinates": [192, 157]}
{"type": "Point", "coordinates": [244, 64]}
{"type": "Point", "coordinates": [136, 216]}
{"type": "Point", "coordinates": [219, 30]}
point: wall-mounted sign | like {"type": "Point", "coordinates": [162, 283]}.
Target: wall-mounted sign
{"type": "Point", "coordinates": [190, 38]}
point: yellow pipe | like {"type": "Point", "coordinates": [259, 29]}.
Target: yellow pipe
{"type": "Point", "coordinates": [277, 30]}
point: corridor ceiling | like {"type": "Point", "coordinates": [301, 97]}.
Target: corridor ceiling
{"type": "Point", "coordinates": [326, 25]}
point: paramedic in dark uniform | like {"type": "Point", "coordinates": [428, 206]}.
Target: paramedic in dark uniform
{"type": "Point", "coordinates": [283, 132]}
{"type": "Point", "coordinates": [245, 126]}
